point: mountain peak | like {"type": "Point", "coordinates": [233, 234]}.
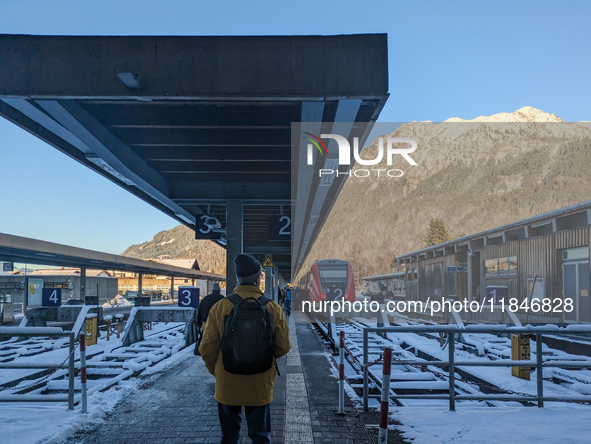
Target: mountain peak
{"type": "Point", "coordinates": [524, 114]}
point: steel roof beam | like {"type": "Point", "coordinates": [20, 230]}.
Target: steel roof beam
{"type": "Point", "coordinates": [229, 190]}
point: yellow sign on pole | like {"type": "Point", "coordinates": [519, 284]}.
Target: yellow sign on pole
{"type": "Point", "coordinates": [268, 263]}
{"type": "Point", "coordinates": [520, 351]}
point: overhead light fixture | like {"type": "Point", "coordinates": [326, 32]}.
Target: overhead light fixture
{"type": "Point", "coordinates": [101, 163]}
{"type": "Point", "coordinates": [130, 80]}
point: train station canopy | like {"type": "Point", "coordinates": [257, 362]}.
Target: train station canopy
{"type": "Point", "coordinates": [25, 250]}
{"type": "Point", "coordinates": [198, 127]}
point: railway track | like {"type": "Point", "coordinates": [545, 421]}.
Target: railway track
{"type": "Point", "coordinates": [425, 379]}
{"type": "Point", "coordinates": [108, 363]}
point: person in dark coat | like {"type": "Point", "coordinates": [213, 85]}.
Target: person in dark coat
{"type": "Point", "coordinates": [203, 311]}
{"type": "Point", "coordinates": [206, 303]}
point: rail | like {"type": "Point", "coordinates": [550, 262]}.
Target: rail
{"type": "Point", "coordinates": [42, 332]}
{"type": "Point", "coordinates": [451, 363]}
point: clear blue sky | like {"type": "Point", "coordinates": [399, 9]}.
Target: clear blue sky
{"type": "Point", "coordinates": [447, 59]}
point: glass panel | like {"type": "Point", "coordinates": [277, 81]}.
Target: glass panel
{"type": "Point", "coordinates": [503, 266]}
{"type": "Point", "coordinates": [513, 266]}
{"type": "Point", "coordinates": [569, 279]}
{"type": "Point", "coordinates": [333, 274]}
{"type": "Point", "coordinates": [491, 268]}
{"type": "Point", "coordinates": [584, 305]}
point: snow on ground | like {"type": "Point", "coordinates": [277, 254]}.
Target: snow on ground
{"type": "Point", "coordinates": [486, 425]}
{"type": "Point", "coordinates": [52, 423]}
{"type": "Point", "coordinates": [47, 423]}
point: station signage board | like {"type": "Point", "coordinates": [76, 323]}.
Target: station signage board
{"type": "Point", "coordinates": [335, 293]}
{"type": "Point", "coordinates": [34, 291]}
{"type": "Point", "coordinates": [203, 231]}
{"type": "Point", "coordinates": [51, 297]}
{"type": "Point", "coordinates": [497, 293]}
{"type": "Point", "coordinates": [280, 228]}
{"type": "Point", "coordinates": [189, 297]}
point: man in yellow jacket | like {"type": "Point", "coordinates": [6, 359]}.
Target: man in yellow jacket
{"type": "Point", "coordinates": [232, 391]}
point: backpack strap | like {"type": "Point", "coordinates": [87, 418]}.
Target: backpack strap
{"type": "Point", "coordinates": [234, 298]}
{"type": "Point", "coordinates": [264, 300]}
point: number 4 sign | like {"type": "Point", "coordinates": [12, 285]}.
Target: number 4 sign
{"type": "Point", "coordinates": [51, 297]}
{"type": "Point", "coordinates": [189, 297]}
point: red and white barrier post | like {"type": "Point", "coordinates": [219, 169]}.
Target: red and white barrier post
{"type": "Point", "coordinates": [385, 400]}
{"type": "Point", "coordinates": [83, 371]}
{"type": "Point", "coordinates": [341, 373]}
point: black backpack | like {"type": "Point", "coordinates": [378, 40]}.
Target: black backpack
{"type": "Point", "coordinates": [248, 343]}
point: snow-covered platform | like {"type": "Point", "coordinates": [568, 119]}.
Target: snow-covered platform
{"type": "Point", "coordinates": [177, 405]}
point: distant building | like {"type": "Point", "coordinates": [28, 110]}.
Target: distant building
{"type": "Point", "coordinates": [129, 281]}
{"type": "Point", "coordinates": [99, 282]}
{"type": "Point", "coordinates": [503, 262]}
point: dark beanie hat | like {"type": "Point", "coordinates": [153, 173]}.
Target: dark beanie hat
{"type": "Point", "coordinates": [248, 269]}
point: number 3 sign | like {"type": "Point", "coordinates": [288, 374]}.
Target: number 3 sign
{"type": "Point", "coordinates": [189, 297]}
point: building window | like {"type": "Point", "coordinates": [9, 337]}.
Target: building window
{"type": "Point", "coordinates": [501, 267]}
{"type": "Point", "coordinates": [56, 285]}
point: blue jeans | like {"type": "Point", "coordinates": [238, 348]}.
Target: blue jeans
{"type": "Point", "coordinates": [287, 305]}
{"type": "Point", "coordinates": [258, 419]}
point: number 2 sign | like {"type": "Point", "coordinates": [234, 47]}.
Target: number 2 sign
{"type": "Point", "coordinates": [189, 297]}
{"type": "Point", "coordinates": [51, 297]}
{"type": "Point", "coordinates": [279, 228]}
{"type": "Point", "coordinates": [335, 294]}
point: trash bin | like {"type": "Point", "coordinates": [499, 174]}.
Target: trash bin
{"type": "Point", "coordinates": [142, 301]}
{"type": "Point", "coordinates": [91, 300]}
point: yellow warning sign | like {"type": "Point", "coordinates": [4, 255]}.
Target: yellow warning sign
{"type": "Point", "coordinates": [268, 263]}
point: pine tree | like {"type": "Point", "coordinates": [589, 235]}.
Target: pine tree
{"type": "Point", "coordinates": [437, 233]}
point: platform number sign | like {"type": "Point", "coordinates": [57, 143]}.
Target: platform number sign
{"type": "Point", "coordinates": [335, 293]}
{"type": "Point", "coordinates": [280, 228]}
{"type": "Point", "coordinates": [51, 297]}
{"type": "Point", "coordinates": [203, 231]}
{"type": "Point", "coordinates": [497, 293]}
{"type": "Point", "coordinates": [189, 297]}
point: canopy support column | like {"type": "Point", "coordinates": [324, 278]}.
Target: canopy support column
{"type": "Point", "coordinates": [234, 230]}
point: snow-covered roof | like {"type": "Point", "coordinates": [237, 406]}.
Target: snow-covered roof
{"type": "Point", "coordinates": [69, 272]}
{"type": "Point", "coordinates": [191, 264]}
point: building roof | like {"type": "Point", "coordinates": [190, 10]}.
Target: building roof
{"type": "Point", "coordinates": [191, 264]}
{"type": "Point", "coordinates": [69, 272]}
{"type": "Point", "coordinates": [195, 125]}
{"type": "Point", "coordinates": [566, 218]}
{"type": "Point", "coordinates": [384, 276]}
{"type": "Point", "coordinates": [33, 251]}
{"type": "Point", "coordinates": [11, 273]}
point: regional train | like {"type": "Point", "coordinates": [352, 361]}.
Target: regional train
{"type": "Point", "coordinates": [328, 279]}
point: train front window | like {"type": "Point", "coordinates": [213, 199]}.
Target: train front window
{"type": "Point", "coordinates": [333, 275]}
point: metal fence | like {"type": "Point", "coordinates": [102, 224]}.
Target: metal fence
{"type": "Point", "coordinates": [52, 332]}
{"type": "Point", "coordinates": [451, 363]}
